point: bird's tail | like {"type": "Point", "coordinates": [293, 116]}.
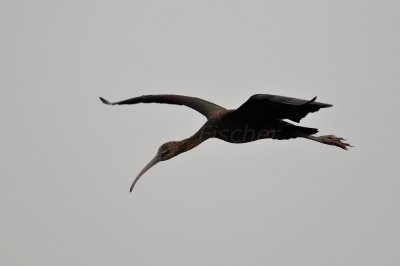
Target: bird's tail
{"type": "Point", "coordinates": [330, 140]}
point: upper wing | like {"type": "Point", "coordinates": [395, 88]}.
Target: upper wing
{"type": "Point", "coordinates": [202, 106]}
{"type": "Point", "coordinates": [266, 106]}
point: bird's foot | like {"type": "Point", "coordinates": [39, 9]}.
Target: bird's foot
{"type": "Point", "coordinates": [333, 140]}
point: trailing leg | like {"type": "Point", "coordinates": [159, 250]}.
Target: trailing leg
{"type": "Point", "coordinates": [330, 140]}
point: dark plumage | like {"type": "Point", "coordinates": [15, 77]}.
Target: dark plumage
{"type": "Point", "coordinates": [260, 117]}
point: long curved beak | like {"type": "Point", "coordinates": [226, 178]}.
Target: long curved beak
{"type": "Point", "coordinates": [153, 162]}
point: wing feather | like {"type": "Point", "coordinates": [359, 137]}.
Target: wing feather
{"type": "Point", "coordinates": [202, 106]}
{"type": "Point", "coordinates": [266, 106]}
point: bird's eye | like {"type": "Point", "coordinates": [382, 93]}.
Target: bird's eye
{"type": "Point", "coordinates": [164, 152]}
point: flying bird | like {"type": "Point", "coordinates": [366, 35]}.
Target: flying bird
{"type": "Point", "coordinates": [262, 116]}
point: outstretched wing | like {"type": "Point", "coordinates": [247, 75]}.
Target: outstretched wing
{"type": "Point", "coordinates": [202, 106]}
{"type": "Point", "coordinates": [266, 106]}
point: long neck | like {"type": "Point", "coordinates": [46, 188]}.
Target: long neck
{"type": "Point", "coordinates": [193, 141]}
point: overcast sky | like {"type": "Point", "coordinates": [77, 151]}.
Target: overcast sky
{"type": "Point", "coordinates": [67, 160]}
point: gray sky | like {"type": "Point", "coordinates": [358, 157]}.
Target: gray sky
{"type": "Point", "coordinates": [67, 160]}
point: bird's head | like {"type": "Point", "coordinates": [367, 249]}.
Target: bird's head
{"type": "Point", "coordinates": [166, 151]}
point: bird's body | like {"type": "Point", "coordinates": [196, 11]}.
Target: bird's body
{"type": "Point", "coordinates": [230, 127]}
{"type": "Point", "coordinates": [262, 116]}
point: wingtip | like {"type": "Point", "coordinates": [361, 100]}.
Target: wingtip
{"type": "Point", "coordinates": [326, 105]}
{"type": "Point", "coordinates": [105, 101]}
{"type": "Point", "coordinates": [310, 101]}
{"type": "Point", "coordinates": [313, 100]}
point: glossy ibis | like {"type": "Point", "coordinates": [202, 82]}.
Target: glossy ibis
{"type": "Point", "coordinates": [261, 116]}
